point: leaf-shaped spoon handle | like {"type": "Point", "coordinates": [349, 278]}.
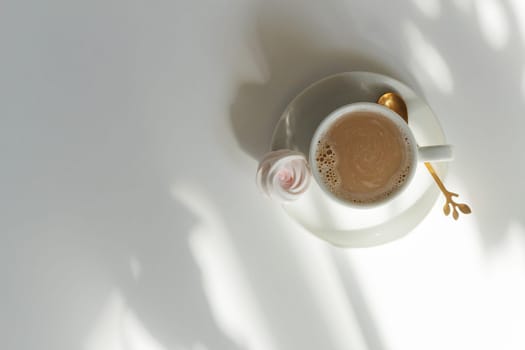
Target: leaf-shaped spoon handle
{"type": "Point", "coordinates": [450, 204]}
{"type": "Point", "coordinates": [396, 103]}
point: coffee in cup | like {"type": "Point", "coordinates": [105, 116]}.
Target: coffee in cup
{"type": "Point", "coordinates": [363, 157]}
{"type": "Point", "coordinates": [364, 154]}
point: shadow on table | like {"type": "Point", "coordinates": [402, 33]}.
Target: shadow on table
{"type": "Point", "coordinates": [293, 54]}
{"type": "Point", "coordinates": [118, 265]}
{"type": "Point", "coordinates": [365, 318]}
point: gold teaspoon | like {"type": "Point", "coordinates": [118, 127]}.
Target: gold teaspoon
{"type": "Point", "coordinates": [396, 103]}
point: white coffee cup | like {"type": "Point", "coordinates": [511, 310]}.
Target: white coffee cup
{"type": "Point", "coordinates": [435, 153]}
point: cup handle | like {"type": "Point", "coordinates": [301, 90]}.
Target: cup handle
{"type": "Point", "coordinates": [439, 153]}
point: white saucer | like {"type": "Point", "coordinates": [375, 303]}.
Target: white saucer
{"type": "Point", "coordinates": [323, 216]}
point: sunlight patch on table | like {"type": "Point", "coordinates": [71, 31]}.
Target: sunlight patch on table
{"type": "Point", "coordinates": [231, 300]}
{"type": "Point", "coordinates": [493, 23]}
{"type": "Point", "coordinates": [426, 62]}
{"type": "Point", "coordinates": [335, 310]}
{"type": "Point", "coordinates": [430, 8]}
{"type": "Point", "coordinates": [135, 267]}
{"type": "Point", "coordinates": [517, 8]}
{"type": "Point", "coordinates": [118, 328]}
{"type": "Point", "coordinates": [505, 288]}
{"type": "Point", "coordinates": [433, 274]}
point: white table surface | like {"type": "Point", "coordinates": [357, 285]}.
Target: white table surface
{"type": "Point", "coordinates": [130, 133]}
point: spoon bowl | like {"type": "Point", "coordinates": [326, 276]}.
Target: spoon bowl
{"type": "Point", "coordinates": [394, 102]}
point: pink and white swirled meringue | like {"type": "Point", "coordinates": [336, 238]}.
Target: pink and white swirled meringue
{"type": "Point", "coordinates": [283, 175]}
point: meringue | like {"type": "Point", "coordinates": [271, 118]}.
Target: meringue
{"type": "Point", "coordinates": [283, 175]}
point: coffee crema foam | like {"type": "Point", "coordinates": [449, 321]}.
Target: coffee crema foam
{"type": "Point", "coordinates": [363, 158]}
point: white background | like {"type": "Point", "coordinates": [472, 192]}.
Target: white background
{"type": "Point", "coordinates": [129, 137]}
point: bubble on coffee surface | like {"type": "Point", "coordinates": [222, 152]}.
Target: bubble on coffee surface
{"type": "Point", "coordinates": [326, 162]}
{"type": "Point", "coordinates": [370, 157]}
